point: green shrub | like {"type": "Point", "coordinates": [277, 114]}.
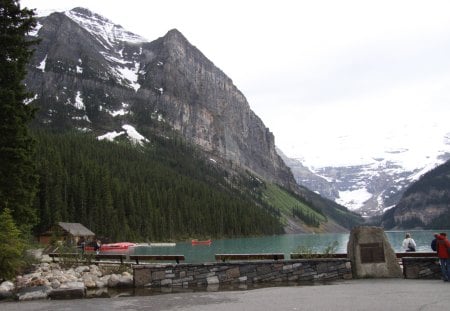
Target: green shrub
{"type": "Point", "coordinates": [12, 246]}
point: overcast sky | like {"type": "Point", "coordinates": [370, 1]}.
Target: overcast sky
{"type": "Point", "coordinates": [337, 82]}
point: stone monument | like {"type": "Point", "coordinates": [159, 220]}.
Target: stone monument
{"type": "Point", "coordinates": [371, 254]}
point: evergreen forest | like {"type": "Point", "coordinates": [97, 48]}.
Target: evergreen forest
{"type": "Point", "coordinates": [162, 191]}
{"type": "Point", "coordinates": [431, 190]}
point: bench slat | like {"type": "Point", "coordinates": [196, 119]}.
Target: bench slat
{"type": "Point", "coordinates": [312, 256]}
{"type": "Point", "coordinates": [416, 254]}
{"type": "Point", "coordinates": [121, 257]}
{"type": "Point", "coordinates": [224, 257]}
{"type": "Point", "coordinates": [97, 257]}
{"type": "Point", "coordinates": [177, 258]}
{"type": "Point", "coordinates": [65, 255]}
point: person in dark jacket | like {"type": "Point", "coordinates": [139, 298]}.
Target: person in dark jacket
{"type": "Point", "coordinates": [443, 246]}
{"type": "Point", "coordinates": [433, 243]}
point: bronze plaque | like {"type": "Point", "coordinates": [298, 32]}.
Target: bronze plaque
{"type": "Point", "coordinates": [372, 252]}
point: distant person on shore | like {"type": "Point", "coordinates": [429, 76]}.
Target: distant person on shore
{"type": "Point", "coordinates": [97, 247]}
{"type": "Point", "coordinates": [443, 246]}
{"type": "Point", "coordinates": [409, 245]}
{"type": "Point", "coordinates": [82, 245]}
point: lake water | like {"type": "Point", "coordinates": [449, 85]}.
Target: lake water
{"type": "Point", "coordinates": [288, 243]}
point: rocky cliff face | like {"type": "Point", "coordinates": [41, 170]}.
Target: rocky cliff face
{"type": "Point", "coordinates": [200, 101]}
{"type": "Point", "coordinates": [305, 177]}
{"type": "Point", "coordinates": [92, 75]}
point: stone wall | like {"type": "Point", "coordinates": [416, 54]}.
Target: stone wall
{"type": "Point", "coordinates": [191, 275]}
{"type": "Point", "coordinates": [421, 268]}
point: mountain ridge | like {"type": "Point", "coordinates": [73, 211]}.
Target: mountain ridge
{"type": "Point", "coordinates": [369, 189]}
{"type": "Point", "coordinates": [116, 89]}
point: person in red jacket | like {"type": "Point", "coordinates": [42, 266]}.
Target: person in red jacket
{"type": "Point", "coordinates": [443, 247]}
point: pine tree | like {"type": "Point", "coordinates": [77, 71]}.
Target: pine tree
{"type": "Point", "coordinates": [12, 246]}
{"type": "Point", "coordinates": [18, 179]}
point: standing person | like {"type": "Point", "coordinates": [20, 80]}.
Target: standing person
{"type": "Point", "coordinates": [409, 245]}
{"type": "Point", "coordinates": [433, 243]}
{"type": "Point", "coordinates": [443, 245]}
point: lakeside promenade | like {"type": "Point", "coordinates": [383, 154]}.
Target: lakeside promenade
{"type": "Point", "coordinates": [358, 294]}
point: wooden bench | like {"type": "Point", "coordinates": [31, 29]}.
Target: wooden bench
{"type": "Point", "coordinates": [416, 254]}
{"type": "Point", "coordinates": [88, 256]}
{"type": "Point", "coordinates": [316, 256]}
{"type": "Point", "coordinates": [400, 256]}
{"type": "Point", "coordinates": [177, 258]}
{"type": "Point", "coordinates": [77, 256]}
{"type": "Point", "coordinates": [263, 256]}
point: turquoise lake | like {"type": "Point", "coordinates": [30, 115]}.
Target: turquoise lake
{"type": "Point", "coordinates": [288, 243]}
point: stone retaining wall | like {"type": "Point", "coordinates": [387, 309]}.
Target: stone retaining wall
{"type": "Point", "coordinates": [421, 268]}
{"type": "Point", "coordinates": [191, 275]}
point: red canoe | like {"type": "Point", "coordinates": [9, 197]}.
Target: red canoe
{"type": "Point", "coordinates": [112, 247]}
{"type": "Point", "coordinates": [197, 242]}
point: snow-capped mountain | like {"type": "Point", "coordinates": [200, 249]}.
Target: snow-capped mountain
{"type": "Point", "coordinates": [377, 184]}
{"type": "Point", "coordinates": [91, 74]}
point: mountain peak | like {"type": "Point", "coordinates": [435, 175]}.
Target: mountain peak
{"type": "Point", "coordinates": [102, 28]}
{"type": "Point", "coordinates": [89, 14]}
{"type": "Point", "coordinates": [175, 35]}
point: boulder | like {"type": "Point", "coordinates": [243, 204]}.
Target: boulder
{"type": "Point", "coordinates": [101, 284]}
{"type": "Point", "coordinates": [371, 254]}
{"type": "Point", "coordinates": [113, 280]}
{"type": "Point", "coordinates": [33, 293]}
{"type": "Point", "coordinates": [7, 285]}
{"type": "Point", "coordinates": [55, 284]}
{"type": "Point", "coordinates": [90, 283]}
{"type": "Point", "coordinates": [6, 290]}
{"type": "Point", "coordinates": [125, 281]}
{"type": "Point", "coordinates": [67, 293]}
{"type": "Point", "coordinates": [81, 269]}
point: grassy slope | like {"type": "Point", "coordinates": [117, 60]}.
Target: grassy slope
{"type": "Point", "coordinates": [284, 201]}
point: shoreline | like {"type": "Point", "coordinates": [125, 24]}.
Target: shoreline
{"type": "Point", "coordinates": [65, 280]}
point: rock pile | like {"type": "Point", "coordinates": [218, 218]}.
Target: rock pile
{"type": "Point", "coordinates": [51, 280]}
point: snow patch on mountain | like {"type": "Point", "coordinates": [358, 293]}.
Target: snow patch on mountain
{"type": "Point", "coordinates": [129, 75]}
{"type": "Point", "coordinates": [79, 69]}
{"type": "Point", "coordinates": [35, 30]}
{"type": "Point", "coordinates": [29, 100]}
{"type": "Point", "coordinates": [134, 135]}
{"type": "Point", "coordinates": [353, 199]}
{"type": "Point", "coordinates": [120, 112]}
{"type": "Point", "coordinates": [42, 64]}
{"type": "Point", "coordinates": [79, 104]}
{"type": "Point", "coordinates": [110, 135]}
{"type": "Point", "coordinates": [82, 118]}
{"type": "Point", "coordinates": [123, 70]}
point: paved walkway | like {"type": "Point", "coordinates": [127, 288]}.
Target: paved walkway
{"type": "Point", "coordinates": [367, 294]}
